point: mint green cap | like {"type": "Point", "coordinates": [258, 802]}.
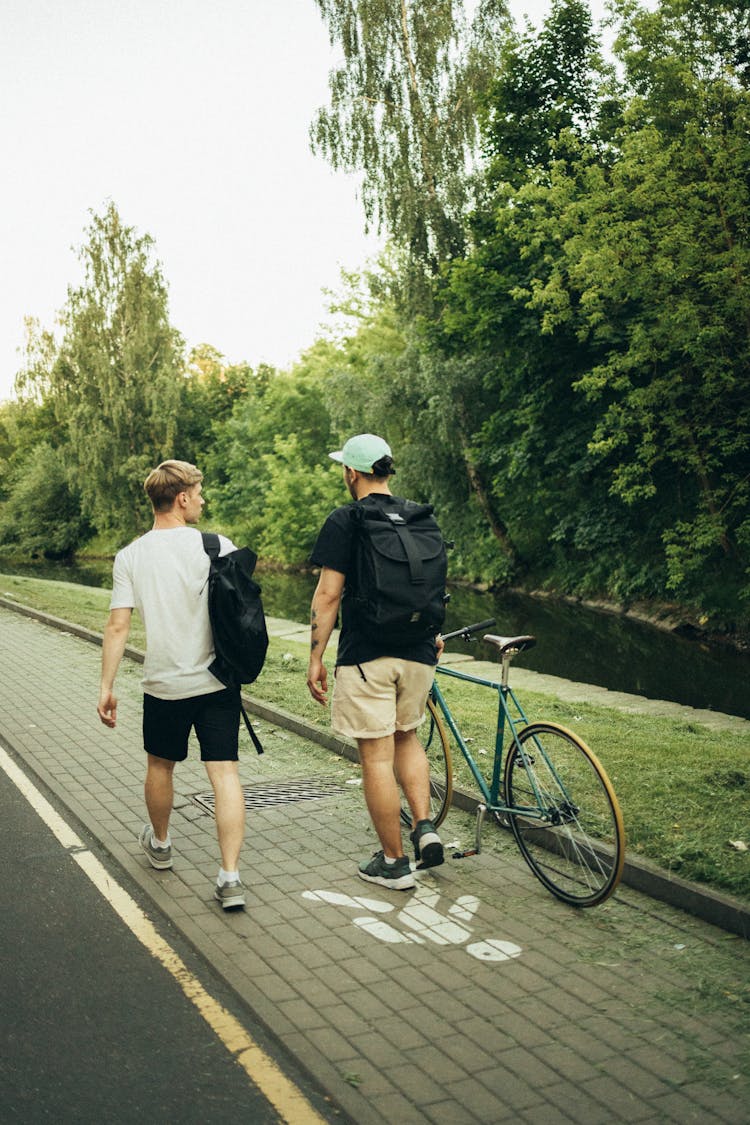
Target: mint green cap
{"type": "Point", "coordinates": [361, 452]}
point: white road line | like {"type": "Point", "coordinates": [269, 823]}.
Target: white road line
{"type": "Point", "coordinates": [260, 1067]}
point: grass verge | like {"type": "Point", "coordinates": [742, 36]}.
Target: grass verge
{"type": "Point", "coordinates": [684, 788]}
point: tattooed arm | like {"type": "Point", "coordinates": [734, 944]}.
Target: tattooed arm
{"type": "Point", "coordinates": [323, 613]}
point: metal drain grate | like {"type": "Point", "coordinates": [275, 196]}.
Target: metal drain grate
{"type": "Point", "coordinates": [284, 792]}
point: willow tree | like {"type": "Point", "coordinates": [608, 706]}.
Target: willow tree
{"type": "Point", "coordinates": [403, 112]}
{"type": "Point", "coordinates": [117, 380]}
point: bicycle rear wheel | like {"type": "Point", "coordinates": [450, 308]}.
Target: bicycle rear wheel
{"type": "Point", "coordinates": [434, 739]}
{"type": "Point", "coordinates": [577, 848]}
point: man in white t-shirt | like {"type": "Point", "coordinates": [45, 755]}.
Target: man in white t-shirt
{"type": "Point", "coordinates": [164, 575]}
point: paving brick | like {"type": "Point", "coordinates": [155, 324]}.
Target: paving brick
{"type": "Point", "coordinates": [367, 972]}
{"type": "Point", "coordinates": [634, 1077]}
{"type": "Point", "coordinates": [332, 1044]}
{"type": "Point", "coordinates": [448, 1113]}
{"type": "Point", "coordinates": [567, 1061]}
{"type": "Point", "coordinates": [275, 988]}
{"type": "Point", "coordinates": [348, 1020]}
{"type": "Point", "coordinates": [337, 981]}
{"type": "Point", "coordinates": [621, 1103]}
{"type": "Point", "coordinates": [515, 1092]}
{"type": "Point", "coordinates": [490, 1036]}
{"type": "Point", "coordinates": [537, 1115]}
{"type": "Point", "coordinates": [404, 1032]}
{"type": "Point", "coordinates": [448, 1007]}
{"type": "Point", "coordinates": [372, 1007]}
{"type": "Point", "coordinates": [476, 1098]}
{"type": "Point", "coordinates": [678, 1107]}
{"type": "Point", "coordinates": [300, 1013]}
{"type": "Point", "coordinates": [565, 1009]}
{"type": "Point", "coordinates": [528, 1065]}
{"type": "Point", "coordinates": [420, 1087]}
{"type": "Point", "coordinates": [463, 1052]}
{"type": "Point", "coordinates": [396, 1107]}
{"type": "Point", "coordinates": [377, 1050]}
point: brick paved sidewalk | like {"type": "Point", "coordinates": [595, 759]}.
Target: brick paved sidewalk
{"type": "Point", "coordinates": [476, 998]}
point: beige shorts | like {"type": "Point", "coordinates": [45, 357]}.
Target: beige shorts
{"type": "Point", "coordinates": [374, 699]}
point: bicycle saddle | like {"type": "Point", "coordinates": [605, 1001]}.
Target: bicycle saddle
{"type": "Point", "coordinates": [510, 645]}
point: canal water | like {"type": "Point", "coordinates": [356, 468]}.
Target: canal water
{"type": "Point", "coordinates": [581, 644]}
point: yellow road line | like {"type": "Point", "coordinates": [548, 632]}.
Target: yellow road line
{"type": "Point", "coordinates": [259, 1066]}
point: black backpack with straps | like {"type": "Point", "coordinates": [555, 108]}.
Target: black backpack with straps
{"type": "Point", "coordinates": [399, 571]}
{"type": "Point", "coordinates": [238, 623]}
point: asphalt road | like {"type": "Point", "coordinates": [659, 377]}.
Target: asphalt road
{"type": "Point", "coordinates": [92, 1028]}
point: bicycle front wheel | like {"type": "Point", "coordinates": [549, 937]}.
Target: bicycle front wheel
{"type": "Point", "coordinates": [434, 739]}
{"type": "Point", "coordinates": [572, 835]}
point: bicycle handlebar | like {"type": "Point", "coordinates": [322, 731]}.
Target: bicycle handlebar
{"type": "Point", "coordinates": [467, 630]}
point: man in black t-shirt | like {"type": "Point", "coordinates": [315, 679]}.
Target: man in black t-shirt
{"type": "Point", "coordinates": [380, 690]}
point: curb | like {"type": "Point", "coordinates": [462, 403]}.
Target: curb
{"type": "Point", "coordinates": [711, 906]}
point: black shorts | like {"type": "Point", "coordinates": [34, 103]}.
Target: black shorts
{"type": "Point", "coordinates": [216, 718]}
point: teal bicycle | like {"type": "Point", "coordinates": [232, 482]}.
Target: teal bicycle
{"type": "Point", "coordinates": [546, 786]}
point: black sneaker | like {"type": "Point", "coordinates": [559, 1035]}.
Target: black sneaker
{"type": "Point", "coordinates": [398, 876]}
{"type": "Point", "coordinates": [428, 850]}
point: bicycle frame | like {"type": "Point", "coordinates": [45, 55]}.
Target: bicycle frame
{"type": "Point", "coordinates": [505, 717]}
{"type": "Point", "coordinates": [507, 704]}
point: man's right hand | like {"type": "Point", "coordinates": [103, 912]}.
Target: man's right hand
{"type": "Point", "coordinates": [317, 680]}
{"type": "Point", "coordinates": [113, 646]}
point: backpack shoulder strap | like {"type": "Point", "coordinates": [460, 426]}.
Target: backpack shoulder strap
{"type": "Point", "coordinates": [361, 509]}
{"type": "Point", "coordinates": [211, 544]}
{"type": "Point", "coordinates": [256, 741]}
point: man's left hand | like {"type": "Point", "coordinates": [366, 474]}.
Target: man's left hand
{"type": "Point", "coordinates": [107, 709]}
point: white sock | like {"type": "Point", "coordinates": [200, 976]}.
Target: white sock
{"type": "Point", "coordinates": [227, 877]}
{"type": "Point", "coordinates": [388, 860]}
{"type": "Point", "coordinates": [160, 843]}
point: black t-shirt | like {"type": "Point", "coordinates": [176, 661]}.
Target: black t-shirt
{"type": "Point", "coordinates": [333, 548]}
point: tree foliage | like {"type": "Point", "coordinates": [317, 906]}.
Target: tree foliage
{"type": "Point", "coordinates": [116, 382]}
{"type": "Point", "coordinates": [43, 488]}
{"type": "Point", "coordinates": [548, 84]}
{"type": "Point", "coordinates": [211, 390]}
{"type": "Point", "coordinates": [269, 480]}
{"type": "Point", "coordinates": [403, 111]}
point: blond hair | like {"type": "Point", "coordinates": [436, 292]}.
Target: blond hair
{"type": "Point", "coordinates": [164, 483]}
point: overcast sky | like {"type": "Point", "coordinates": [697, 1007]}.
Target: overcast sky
{"type": "Point", "coordinates": [192, 116]}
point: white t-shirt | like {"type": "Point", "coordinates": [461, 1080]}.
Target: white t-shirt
{"type": "Point", "coordinates": [164, 575]}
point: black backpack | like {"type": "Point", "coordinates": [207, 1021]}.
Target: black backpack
{"type": "Point", "coordinates": [399, 573]}
{"type": "Point", "coordinates": [238, 623]}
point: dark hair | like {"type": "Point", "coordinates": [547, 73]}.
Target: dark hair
{"type": "Point", "coordinates": [382, 468]}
